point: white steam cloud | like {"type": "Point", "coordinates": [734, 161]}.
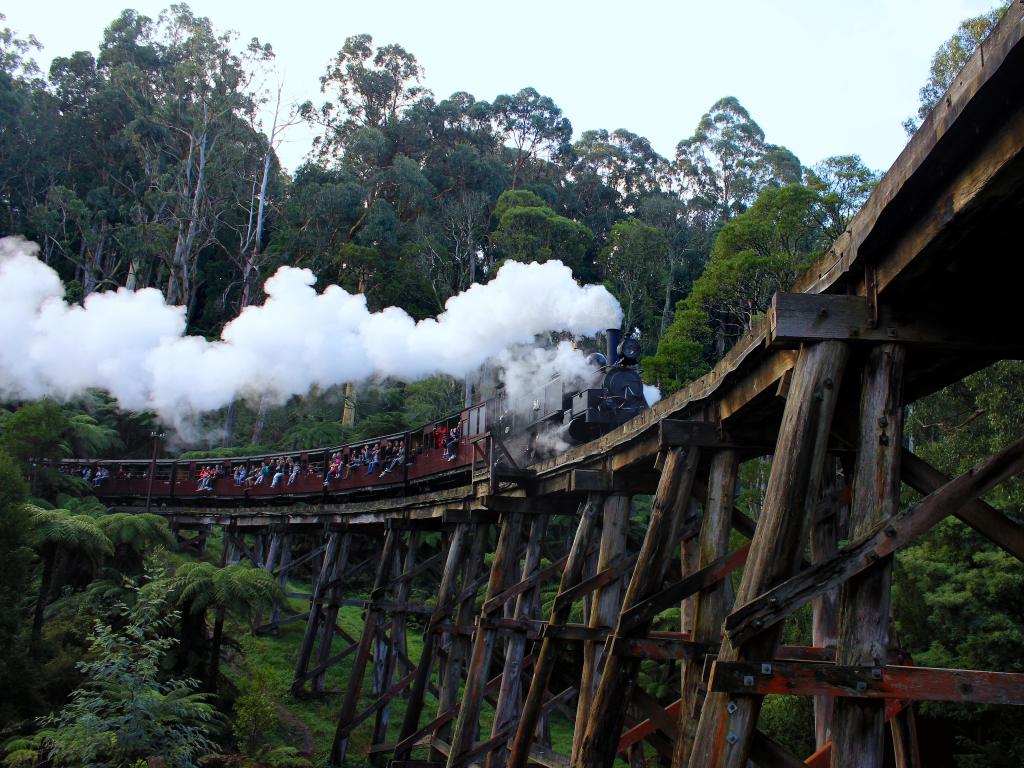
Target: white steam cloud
{"type": "Point", "coordinates": [133, 344]}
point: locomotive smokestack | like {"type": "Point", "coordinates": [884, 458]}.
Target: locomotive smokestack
{"type": "Point", "coordinates": [613, 335]}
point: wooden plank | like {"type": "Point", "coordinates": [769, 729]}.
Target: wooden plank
{"type": "Point", "coordinates": [643, 612]}
{"type": "Point", "coordinates": [824, 616]}
{"type": "Point", "coordinates": [679, 433]}
{"type": "Point", "coordinates": [653, 711]}
{"type": "Point", "coordinates": [764, 376]}
{"type": "Point", "coordinates": [661, 648]}
{"type": "Point", "coordinates": [524, 585]}
{"type": "Point", "coordinates": [590, 481]}
{"type": "Point", "coordinates": [615, 569]}
{"type": "Point", "coordinates": [778, 602]}
{"type": "Point", "coordinates": [795, 678]}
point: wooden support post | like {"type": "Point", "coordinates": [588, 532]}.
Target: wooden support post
{"type": "Point", "coordinates": [505, 556]}
{"type": "Point", "coordinates": [711, 604]}
{"type": "Point", "coordinates": [445, 595]}
{"type": "Point", "coordinates": [315, 614]}
{"type": "Point", "coordinates": [380, 642]}
{"type": "Point", "coordinates": [458, 645]}
{"type": "Point", "coordinates": [604, 726]}
{"type": "Point", "coordinates": [506, 710]}
{"type": "Point", "coordinates": [282, 574]}
{"type": "Point", "coordinates": [396, 643]}
{"type": "Point", "coordinates": [355, 680]}
{"type": "Point", "coordinates": [272, 549]}
{"type": "Point", "coordinates": [330, 613]}
{"type": "Point", "coordinates": [545, 665]}
{"type": "Point", "coordinates": [824, 541]}
{"type": "Point", "coordinates": [605, 606]}
{"type": "Point", "coordinates": [727, 724]}
{"type": "Point", "coordinates": [863, 629]}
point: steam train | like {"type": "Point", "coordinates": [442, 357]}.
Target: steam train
{"type": "Point", "coordinates": [444, 453]}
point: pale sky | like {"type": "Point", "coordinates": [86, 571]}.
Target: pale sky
{"type": "Point", "coordinates": [821, 77]}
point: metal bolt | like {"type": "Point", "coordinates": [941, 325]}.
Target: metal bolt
{"type": "Point", "coordinates": [766, 669]}
{"type": "Point", "coordinates": [873, 557]}
{"type": "Point", "coordinates": [890, 530]}
{"type": "Point", "coordinates": [883, 422]}
{"type": "Point", "coordinates": [731, 707]}
{"type": "Point", "coordinates": [748, 681]}
{"type": "Point", "coordinates": [732, 738]}
{"type": "Point", "coordinates": [861, 686]}
{"type": "Point", "coordinates": [758, 623]}
{"type": "Point", "coordinates": [773, 601]}
{"type": "Point", "coordinates": [828, 384]}
{"type": "Point", "coordinates": [892, 333]}
{"type": "Point", "coordinates": [876, 674]}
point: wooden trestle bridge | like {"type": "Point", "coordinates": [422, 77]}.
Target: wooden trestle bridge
{"type": "Point", "coordinates": [916, 294]}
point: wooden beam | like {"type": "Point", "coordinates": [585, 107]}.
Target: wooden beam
{"type": "Point", "coordinates": [619, 674]}
{"type": "Point", "coordinates": [795, 318]}
{"type": "Point", "coordinates": [591, 481]}
{"type": "Point", "coordinates": [778, 602]}
{"type": "Point", "coordinates": [645, 611]}
{"type": "Point", "coordinates": [680, 433]}
{"type": "Point", "coordinates": [986, 520]}
{"type": "Point", "coordinates": [615, 569]}
{"type": "Point", "coordinates": [794, 678]}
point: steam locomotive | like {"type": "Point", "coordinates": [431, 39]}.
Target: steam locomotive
{"type": "Point", "coordinates": [443, 453]}
{"type": "Point", "coordinates": [558, 416]}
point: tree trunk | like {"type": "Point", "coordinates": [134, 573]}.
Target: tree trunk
{"type": "Point", "coordinates": [45, 582]}
{"type": "Point", "coordinates": [261, 418]}
{"type": "Point", "coordinates": [215, 645]}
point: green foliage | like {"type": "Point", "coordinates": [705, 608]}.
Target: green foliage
{"type": "Point", "coordinates": [756, 254]}
{"type": "Point", "coordinates": [727, 163]}
{"type": "Point", "coordinates": [950, 58]}
{"type": "Point", "coordinates": [957, 597]}
{"type": "Point", "coordinates": [125, 712]}
{"type": "Point", "coordinates": [15, 579]}
{"type": "Point", "coordinates": [633, 265]}
{"type": "Point", "coordinates": [255, 713]}
{"type": "Point", "coordinates": [531, 232]}
{"type": "Point", "coordinates": [240, 589]}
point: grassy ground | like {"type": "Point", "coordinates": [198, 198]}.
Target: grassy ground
{"type": "Point", "coordinates": [275, 657]}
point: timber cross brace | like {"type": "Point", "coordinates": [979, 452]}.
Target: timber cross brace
{"type": "Point", "coordinates": [532, 600]}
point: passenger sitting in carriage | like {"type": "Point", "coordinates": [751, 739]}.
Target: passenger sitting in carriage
{"type": "Point", "coordinates": [396, 460]}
